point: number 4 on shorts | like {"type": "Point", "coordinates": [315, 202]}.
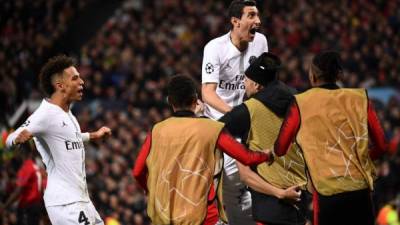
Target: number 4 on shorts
{"type": "Point", "coordinates": [83, 219]}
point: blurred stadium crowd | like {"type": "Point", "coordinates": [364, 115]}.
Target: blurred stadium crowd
{"type": "Point", "coordinates": [126, 65]}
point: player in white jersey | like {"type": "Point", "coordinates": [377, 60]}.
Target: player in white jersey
{"type": "Point", "coordinates": [59, 140]}
{"type": "Point", "coordinates": [224, 62]}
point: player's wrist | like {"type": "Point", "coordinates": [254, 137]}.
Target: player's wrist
{"type": "Point", "coordinates": [271, 157]}
{"type": "Point", "coordinates": [94, 135]}
{"type": "Point", "coordinates": [280, 194]}
{"type": "Point", "coordinates": [85, 136]}
{"type": "Point", "coordinates": [16, 142]}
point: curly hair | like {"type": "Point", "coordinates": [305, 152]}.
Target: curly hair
{"type": "Point", "coordinates": [53, 67]}
{"type": "Point", "coordinates": [182, 91]}
{"type": "Point", "coordinates": [327, 66]}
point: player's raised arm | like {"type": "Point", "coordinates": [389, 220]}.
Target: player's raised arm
{"type": "Point", "coordinates": [100, 133]}
{"type": "Point", "coordinates": [34, 125]}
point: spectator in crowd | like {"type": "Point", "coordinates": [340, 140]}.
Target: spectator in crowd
{"type": "Point", "coordinates": [29, 190]}
{"type": "Point", "coordinates": [28, 31]}
{"type": "Point", "coordinates": [127, 62]}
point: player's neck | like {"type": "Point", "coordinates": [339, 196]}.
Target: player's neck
{"type": "Point", "coordinates": [191, 108]}
{"type": "Point", "coordinates": [237, 42]}
{"type": "Point", "coordinates": [61, 101]}
{"type": "Point", "coordinates": [319, 82]}
{"type": "Point", "coordinates": [182, 109]}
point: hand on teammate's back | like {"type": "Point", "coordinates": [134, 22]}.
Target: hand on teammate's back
{"type": "Point", "coordinates": [270, 154]}
{"type": "Point", "coordinates": [292, 194]}
{"type": "Point", "coordinates": [23, 137]}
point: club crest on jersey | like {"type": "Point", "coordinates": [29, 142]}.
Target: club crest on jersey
{"type": "Point", "coordinates": [252, 59]}
{"type": "Point", "coordinates": [209, 68]}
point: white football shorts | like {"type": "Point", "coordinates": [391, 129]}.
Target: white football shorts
{"type": "Point", "coordinates": [77, 213]}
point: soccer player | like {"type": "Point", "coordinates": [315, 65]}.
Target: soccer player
{"type": "Point", "coordinates": [59, 140]}
{"type": "Point", "coordinates": [257, 121]}
{"type": "Point", "coordinates": [333, 127]}
{"type": "Point", "coordinates": [29, 189]}
{"type": "Point", "coordinates": [179, 161]}
{"type": "Point", "coordinates": [224, 62]}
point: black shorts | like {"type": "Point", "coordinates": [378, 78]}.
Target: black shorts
{"type": "Point", "coordinates": [30, 215]}
{"type": "Point", "coordinates": [271, 210]}
{"type": "Point", "coordinates": [348, 208]}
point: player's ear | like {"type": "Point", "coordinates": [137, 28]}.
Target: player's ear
{"type": "Point", "coordinates": [313, 78]}
{"type": "Point", "coordinates": [235, 22]}
{"type": "Point", "coordinates": [58, 83]}
{"type": "Point", "coordinates": [258, 86]}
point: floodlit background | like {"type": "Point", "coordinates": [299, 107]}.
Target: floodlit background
{"type": "Point", "coordinates": [126, 51]}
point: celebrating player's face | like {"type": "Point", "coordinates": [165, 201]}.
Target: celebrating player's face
{"type": "Point", "coordinates": [249, 23]}
{"type": "Point", "coordinates": [73, 84]}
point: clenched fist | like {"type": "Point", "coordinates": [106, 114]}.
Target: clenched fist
{"type": "Point", "coordinates": [100, 133]}
{"type": "Point", "coordinates": [23, 137]}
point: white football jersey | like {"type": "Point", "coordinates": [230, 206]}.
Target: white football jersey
{"type": "Point", "coordinates": [224, 64]}
{"type": "Point", "coordinates": [58, 139]}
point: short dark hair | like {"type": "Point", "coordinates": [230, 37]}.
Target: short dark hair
{"type": "Point", "coordinates": [182, 91]}
{"type": "Point", "coordinates": [54, 66]}
{"type": "Point", "coordinates": [236, 7]}
{"type": "Point", "coordinates": [327, 66]}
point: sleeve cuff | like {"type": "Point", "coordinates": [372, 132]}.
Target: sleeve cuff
{"type": "Point", "coordinates": [85, 136]}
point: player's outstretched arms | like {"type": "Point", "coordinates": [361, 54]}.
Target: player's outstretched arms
{"type": "Point", "coordinates": [100, 133]}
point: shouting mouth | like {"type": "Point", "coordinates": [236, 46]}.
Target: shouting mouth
{"type": "Point", "coordinates": [253, 30]}
{"type": "Point", "coordinates": [80, 91]}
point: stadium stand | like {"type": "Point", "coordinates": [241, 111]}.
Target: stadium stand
{"type": "Point", "coordinates": [126, 65]}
